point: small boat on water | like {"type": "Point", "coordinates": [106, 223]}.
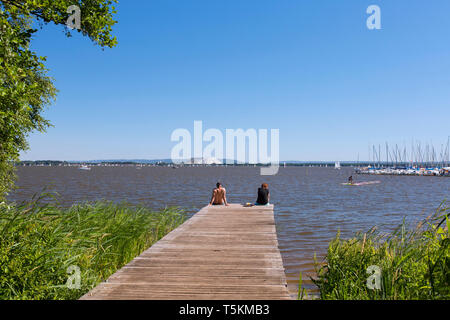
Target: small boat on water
{"type": "Point", "coordinates": [337, 165]}
{"type": "Point", "coordinates": [84, 167]}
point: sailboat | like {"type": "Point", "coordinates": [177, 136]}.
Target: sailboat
{"type": "Point", "coordinates": [337, 165]}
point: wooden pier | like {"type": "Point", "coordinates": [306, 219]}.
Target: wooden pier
{"type": "Point", "coordinates": [221, 253]}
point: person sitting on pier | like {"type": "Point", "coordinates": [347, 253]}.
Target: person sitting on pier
{"type": "Point", "coordinates": [263, 195]}
{"type": "Point", "coordinates": [219, 196]}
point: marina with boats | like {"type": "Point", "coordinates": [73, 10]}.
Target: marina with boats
{"type": "Point", "coordinates": [414, 171]}
{"type": "Point", "coordinates": [417, 161]}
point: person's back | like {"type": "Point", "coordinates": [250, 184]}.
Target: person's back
{"type": "Point", "coordinates": [219, 196]}
{"type": "Point", "coordinates": [263, 195]}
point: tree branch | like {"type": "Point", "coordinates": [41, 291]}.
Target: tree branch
{"type": "Point", "coordinates": [36, 13]}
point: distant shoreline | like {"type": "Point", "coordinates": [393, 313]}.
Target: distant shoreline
{"type": "Point", "coordinates": [169, 163]}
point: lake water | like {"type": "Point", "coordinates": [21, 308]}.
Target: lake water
{"type": "Point", "coordinates": [311, 205]}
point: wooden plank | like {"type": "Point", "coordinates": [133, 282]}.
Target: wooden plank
{"type": "Point", "coordinates": [226, 253]}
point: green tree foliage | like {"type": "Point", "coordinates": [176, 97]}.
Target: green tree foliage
{"type": "Point", "coordinates": [25, 87]}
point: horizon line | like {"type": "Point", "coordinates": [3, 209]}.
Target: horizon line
{"type": "Point", "coordinates": [166, 160]}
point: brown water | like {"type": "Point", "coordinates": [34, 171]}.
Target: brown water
{"type": "Point", "coordinates": [310, 203]}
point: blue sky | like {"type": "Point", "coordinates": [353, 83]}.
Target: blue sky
{"type": "Point", "coordinates": [311, 69]}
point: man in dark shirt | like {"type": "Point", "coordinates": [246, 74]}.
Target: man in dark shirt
{"type": "Point", "coordinates": [263, 195]}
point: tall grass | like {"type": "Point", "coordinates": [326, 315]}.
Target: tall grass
{"type": "Point", "coordinates": [40, 241]}
{"type": "Point", "coordinates": [414, 263]}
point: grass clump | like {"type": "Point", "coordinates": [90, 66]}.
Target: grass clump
{"type": "Point", "coordinates": [414, 263]}
{"type": "Point", "coordinates": [42, 243]}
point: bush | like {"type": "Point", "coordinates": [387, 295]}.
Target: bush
{"type": "Point", "coordinates": [39, 242]}
{"type": "Point", "coordinates": [414, 263]}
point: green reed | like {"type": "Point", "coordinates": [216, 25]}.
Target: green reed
{"type": "Point", "coordinates": [40, 240]}
{"type": "Point", "coordinates": [302, 293]}
{"type": "Point", "coordinates": [414, 263]}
